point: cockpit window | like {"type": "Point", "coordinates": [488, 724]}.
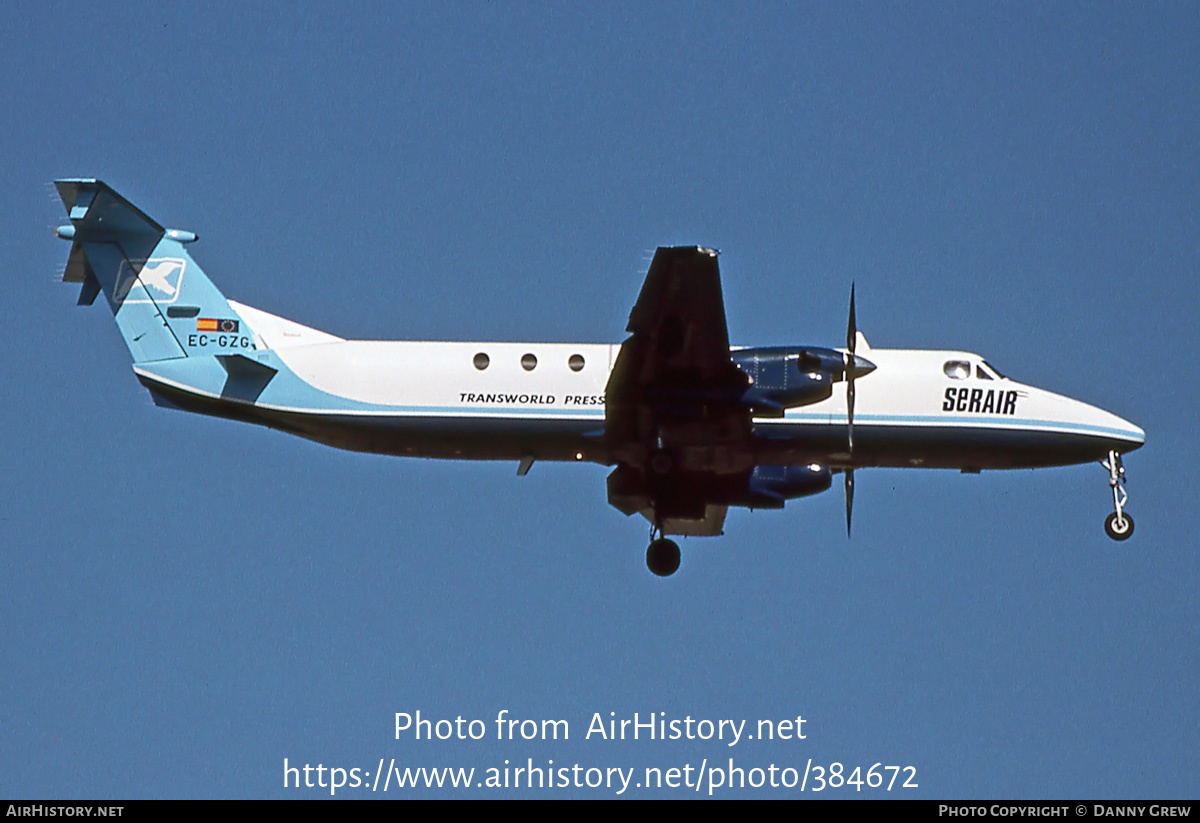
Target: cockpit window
{"type": "Point", "coordinates": [981, 373]}
{"type": "Point", "coordinates": [995, 370]}
{"type": "Point", "coordinates": [957, 369]}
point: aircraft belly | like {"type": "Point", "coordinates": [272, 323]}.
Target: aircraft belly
{"type": "Point", "coordinates": [933, 446]}
{"type": "Point", "coordinates": [975, 447]}
{"type": "Point", "coordinates": [464, 439]}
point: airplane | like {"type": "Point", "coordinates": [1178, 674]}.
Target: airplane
{"type": "Point", "coordinates": [690, 424]}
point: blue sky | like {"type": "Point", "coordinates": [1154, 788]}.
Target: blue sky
{"type": "Point", "coordinates": [186, 602]}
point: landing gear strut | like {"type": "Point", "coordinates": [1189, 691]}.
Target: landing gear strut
{"type": "Point", "coordinates": [662, 557]}
{"type": "Point", "coordinates": [1118, 525]}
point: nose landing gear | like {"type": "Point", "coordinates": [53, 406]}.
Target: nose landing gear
{"type": "Point", "coordinates": [662, 557]}
{"type": "Point", "coordinates": [1118, 525]}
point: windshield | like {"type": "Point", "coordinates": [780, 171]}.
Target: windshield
{"type": "Point", "coordinates": [995, 370]}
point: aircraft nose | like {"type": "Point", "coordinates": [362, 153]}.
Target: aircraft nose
{"type": "Point", "coordinates": [1101, 429]}
{"type": "Point", "coordinates": [1135, 436]}
{"type": "Point", "coordinates": [1126, 435]}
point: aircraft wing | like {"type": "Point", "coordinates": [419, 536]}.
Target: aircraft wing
{"type": "Point", "coordinates": [674, 420]}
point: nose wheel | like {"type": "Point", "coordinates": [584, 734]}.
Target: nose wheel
{"type": "Point", "coordinates": [1118, 525]}
{"type": "Point", "coordinates": [662, 557]}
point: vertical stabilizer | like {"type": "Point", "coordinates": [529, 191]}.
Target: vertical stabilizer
{"type": "Point", "coordinates": [164, 304]}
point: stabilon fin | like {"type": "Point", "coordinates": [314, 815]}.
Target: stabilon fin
{"type": "Point", "coordinates": [247, 378]}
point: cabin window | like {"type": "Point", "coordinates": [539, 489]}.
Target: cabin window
{"type": "Point", "coordinates": [575, 362]}
{"type": "Point", "coordinates": [481, 361]}
{"type": "Point", "coordinates": [528, 362]}
{"type": "Point", "coordinates": [957, 369]}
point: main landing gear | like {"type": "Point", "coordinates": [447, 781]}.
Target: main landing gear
{"type": "Point", "coordinates": [662, 557]}
{"type": "Point", "coordinates": [1119, 525]}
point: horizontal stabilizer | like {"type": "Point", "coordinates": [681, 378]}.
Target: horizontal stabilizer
{"type": "Point", "coordinates": [101, 214]}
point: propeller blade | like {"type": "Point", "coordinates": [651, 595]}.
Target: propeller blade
{"type": "Point", "coordinates": [851, 340]}
{"type": "Point", "coordinates": [851, 368]}
{"type": "Point", "coordinates": [852, 326]}
{"type": "Point", "coordinates": [850, 414]}
{"type": "Point", "coordinates": [849, 498]}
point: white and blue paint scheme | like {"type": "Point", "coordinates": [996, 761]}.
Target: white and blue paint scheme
{"type": "Point", "coordinates": [690, 424]}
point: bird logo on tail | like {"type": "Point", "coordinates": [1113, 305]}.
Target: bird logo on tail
{"type": "Point", "coordinates": [158, 281]}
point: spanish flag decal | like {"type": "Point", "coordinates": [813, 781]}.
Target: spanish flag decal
{"type": "Point", "coordinates": [213, 324]}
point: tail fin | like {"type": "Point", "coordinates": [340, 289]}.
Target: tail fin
{"type": "Point", "coordinates": [164, 304]}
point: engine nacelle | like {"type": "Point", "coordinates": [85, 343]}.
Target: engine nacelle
{"type": "Point", "coordinates": [772, 486]}
{"type": "Point", "coordinates": [784, 377]}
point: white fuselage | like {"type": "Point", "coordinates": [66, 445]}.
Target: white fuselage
{"type": "Point", "coordinates": [546, 401]}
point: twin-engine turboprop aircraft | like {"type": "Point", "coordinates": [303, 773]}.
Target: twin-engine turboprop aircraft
{"type": "Point", "coordinates": [690, 424]}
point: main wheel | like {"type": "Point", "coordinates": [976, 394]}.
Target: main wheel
{"type": "Point", "coordinates": [662, 557]}
{"type": "Point", "coordinates": [1119, 528]}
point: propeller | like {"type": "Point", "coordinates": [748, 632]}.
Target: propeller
{"type": "Point", "coordinates": [851, 340]}
{"type": "Point", "coordinates": [851, 368]}
{"type": "Point", "coordinates": [855, 367]}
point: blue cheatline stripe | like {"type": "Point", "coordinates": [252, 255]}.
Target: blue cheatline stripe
{"type": "Point", "coordinates": [393, 411]}
{"type": "Point", "coordinates": [791, 418]}
{"type": "Point", "coordinates": [990, 422]}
